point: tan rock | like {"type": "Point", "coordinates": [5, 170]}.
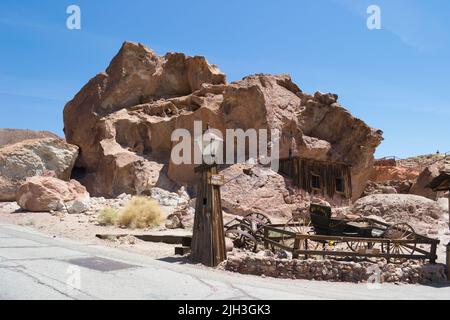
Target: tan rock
{"type": "Point", "coordinates": [123, 120]}
{"type": "Point", "coordinates": [255, 190]}
{"type": "Point", "coordinates": [11, 136]}
{"type": "Point", "coordinates": [32, 158]}
{"type": "Point", "coordinates": [393, 173]}
{"type": "Point", "coordinates": [417, 211]}
{"type": "Point", "coordinates": [426, 176]}
{"type": "Point", "coordinates": [44, 194]}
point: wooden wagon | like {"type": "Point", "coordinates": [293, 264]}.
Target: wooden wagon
{"type": "Point", "coordinates": [321, 235]}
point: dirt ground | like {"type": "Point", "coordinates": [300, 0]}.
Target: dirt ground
{"type": "Point", "coordinates": [84, 227]}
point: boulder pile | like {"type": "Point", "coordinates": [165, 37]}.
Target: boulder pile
{"type": "Point", "coordinates": [31, 158]}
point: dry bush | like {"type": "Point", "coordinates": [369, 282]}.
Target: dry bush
{"type": "Point", "coordinates": [140, 212]}
{"type": "Point", "coordinates": [108, 216]}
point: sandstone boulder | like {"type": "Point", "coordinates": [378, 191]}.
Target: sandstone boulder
{"type": "Point", "coordinates": [32, 158]}
{"type": "Point", "coordinates": [123, 119]}
{"type": "Point", "coordinates": [44, 194]}
{"type": "Point", "coordinates": [255, 189]}
{"type": "Point", "coordinates": [383, 174]}
{"type": "Point", "coordinates": [426, 176]}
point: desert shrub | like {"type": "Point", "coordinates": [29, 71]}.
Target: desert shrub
{"type": "Point", "coordinates": [108, 216]}
{"type": "Point", "coordinates": [140, 212]}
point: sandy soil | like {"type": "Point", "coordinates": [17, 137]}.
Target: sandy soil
{"type": "Point", "coordinates": [84, 227]}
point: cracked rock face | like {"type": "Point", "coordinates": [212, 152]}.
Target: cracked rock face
{"type": "Point", "coordinates": [123, 119]}
{"type": "Point", "coordinates": [33, 158]}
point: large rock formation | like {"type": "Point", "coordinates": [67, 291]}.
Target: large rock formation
{"type": "Point", "coordinates": [32, 158]}
{"type": "Point", "coordinates": [11, 136]}
{"type": "Point", "coordinates": [123, 120]}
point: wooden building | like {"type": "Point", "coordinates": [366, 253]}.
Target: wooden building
{"type": "Point", "coordinates": [323, 178]}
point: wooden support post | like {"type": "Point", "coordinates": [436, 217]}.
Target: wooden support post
{"type": "Point", "coordinates": [266, 236]}
{"type": "Point", "coordinates": [296, 248]}
{"type": "Point", "coordinates": [208, 239]}
{"type": "Point", "coordinates": [448, 261]}
{"type": "Point", "coordinates": [433, 255]}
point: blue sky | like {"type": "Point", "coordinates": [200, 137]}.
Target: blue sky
{"type": "Point", "coordinates": [396, 79]}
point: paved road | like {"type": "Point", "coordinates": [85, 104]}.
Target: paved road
{"type": "Point", "coordinates": [35, 266]}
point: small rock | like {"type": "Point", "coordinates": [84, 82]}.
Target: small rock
{"type": "Point", "coordinates": [79, 206]}
{"type": "Point", "coordinates": [173, 222]}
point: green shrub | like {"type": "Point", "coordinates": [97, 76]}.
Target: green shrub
{"type": "Point", "coordinates": [140, 212]}
{"type": "Point", "coordinates": [108, 216]}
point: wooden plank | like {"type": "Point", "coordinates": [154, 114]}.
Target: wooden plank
{"type": "Point", "coordinates": [181, 251]}
{"type": "Point", "coordinates": [169, 239]}
{"type": "Point", "coordinates": [356, 254]}
{"type": "Point", "coordinates": [359, 239]}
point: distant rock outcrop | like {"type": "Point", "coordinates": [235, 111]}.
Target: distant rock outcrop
{"type": "Point", "coordinates": [33, 158]}
{"type": "Point", "coordinates": [123, 119]}
{"type": "Point", "coordinates": [11, 136]}
{"type": "Point", "coordinates": [420, 187]}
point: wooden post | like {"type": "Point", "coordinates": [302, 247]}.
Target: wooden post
{"type": "Point", "coordinates": [266, 236]}
{"type": "Point", "coordinates": [433, 255]}
{"type": "Point", "coordinates": [208, 240]}
{"type": "Point", "coordinates": [448, 261]}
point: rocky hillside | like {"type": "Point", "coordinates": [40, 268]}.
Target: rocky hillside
{"type": "Point", "coordinates": [407, 176]}
{"type": "Point", "coordinates": [422, 161]}
{"type": "Point", "coordinates": [122, 120]}
{"type": "Point", "coordinates": [11, 136]}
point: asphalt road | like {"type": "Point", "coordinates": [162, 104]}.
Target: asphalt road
{"type": "Point", "coordinates": [35, 266]}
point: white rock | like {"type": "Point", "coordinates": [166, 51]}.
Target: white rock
{"type": "Point", "coordinates": [443, 203]}
{"type": "Point", "coordinates": [78, 206]}
{"type": "Point", "coordinates": [166, 198]}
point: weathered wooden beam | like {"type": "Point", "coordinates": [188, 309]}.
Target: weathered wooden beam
{"type": "Point", "coordinates": [169, 239]}
{"type": "Point", "coordinates": [181, 251]}
{"type": "Point", "coordinates": [208, 241]}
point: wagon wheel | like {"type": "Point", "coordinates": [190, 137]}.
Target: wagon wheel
{"type": "Point", "coordinates": [242, 238]}
{"type": "Point", "coordinates": [232, 226]}
{"type": "Point", "coordinates": [257, 221]}
{"type": "Point", "coordinates": [299, 225]}
{"type": "Point", "coordinates": [357, 246]}
{"type": "Point", "coordinates": [400, 231]}
{"type": "Point", "coordinates": [260, 218]}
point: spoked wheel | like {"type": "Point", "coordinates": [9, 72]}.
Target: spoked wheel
{"type": "Point", "coordinates": [299, 226]}
{"type": "Point", "coordinates": [242, 238]}
{"type": "Point", "coordinates": [400, 231]}
{"type": "Point", "coordinates": [259, 218]}
{"type": "Point", "coordinates": [256, 222]}
{"type": "Point", "coordinates": [359, 246]}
